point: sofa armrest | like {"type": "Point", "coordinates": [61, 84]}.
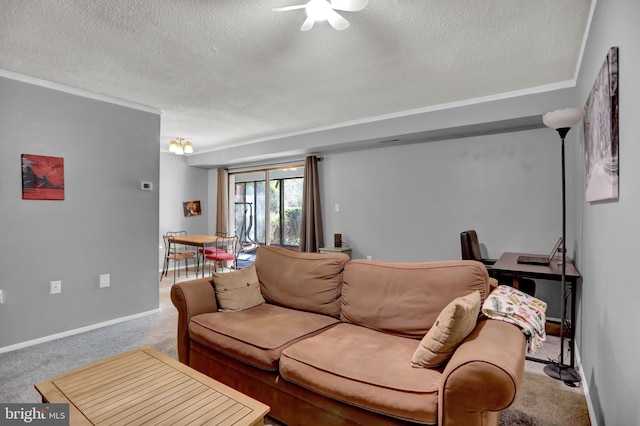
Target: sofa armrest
{"type": "Point", "coordinates": [483, 376]}
{"type": "Point", "coordinates": [191, 298]}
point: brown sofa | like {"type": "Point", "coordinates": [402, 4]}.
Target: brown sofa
{"type": "Point", "coordinates": [334, 341]}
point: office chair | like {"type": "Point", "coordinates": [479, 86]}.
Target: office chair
{"type": "Point", "coordinates": [470, 248]}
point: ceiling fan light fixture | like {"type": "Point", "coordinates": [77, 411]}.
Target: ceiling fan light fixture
{"type": "Point", "coordinates": [318, 10]}
{"type": "Point", "coordinates": [325, 10]}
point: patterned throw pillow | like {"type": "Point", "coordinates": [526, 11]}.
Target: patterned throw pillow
{"type": "Point", "coordinates": [454, 323]}
{"type": "Point", "coordinates": [237, 290]}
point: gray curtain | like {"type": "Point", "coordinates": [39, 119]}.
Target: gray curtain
{"type": "Point", "coordinates": [311, 233]}
{"type": "Point", "coordinates": [222, 207]}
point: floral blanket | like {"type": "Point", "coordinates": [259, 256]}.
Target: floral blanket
{"type": "Point", "coordinates": [508, 304]}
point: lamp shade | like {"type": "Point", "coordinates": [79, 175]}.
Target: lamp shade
{"type": "Point", "coordinates": [563, 118]}
{"type": "Point", "coordinates": [173, 146]}
{"type": "Point", "coordinates": [188, 148]}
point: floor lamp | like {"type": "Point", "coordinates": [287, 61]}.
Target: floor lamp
{"type": "Point", "coordinates": [562, 121]}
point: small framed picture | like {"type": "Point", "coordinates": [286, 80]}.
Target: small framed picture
{"type": "Point", "coordinates": [192, 208]}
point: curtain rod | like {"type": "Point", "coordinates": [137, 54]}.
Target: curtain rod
{"type": "Point", "coordinates": [270, 166]}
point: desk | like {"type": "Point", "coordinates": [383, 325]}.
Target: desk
{"type": "Point", "coordinates": [507, 266]}
{"type": "Point", "coordinates": [196, 240]}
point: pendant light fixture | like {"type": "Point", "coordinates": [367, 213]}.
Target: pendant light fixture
{"type": "Point", "coordinates": [178, 147]}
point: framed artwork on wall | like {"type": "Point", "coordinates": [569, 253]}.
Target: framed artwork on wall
{"type": "Point", "coordinates": [192, 208]}
{"type": "Point", "coordinates": [601, 133]}
{"type": "Point", "coordinates": [42, 177]}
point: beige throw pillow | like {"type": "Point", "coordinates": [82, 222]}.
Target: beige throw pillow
{"type": "Point", "coordinates": [456, 321]}
{"type": "Point", "coordinates": [237, 290]}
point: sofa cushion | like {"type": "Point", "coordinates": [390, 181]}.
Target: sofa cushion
{"type": "Point", "coordinates": [406, 298]}
{"type": "Point", "coordinates": [256, 335]}
{"type": "Point", "coordinates": [365, 368]}
{"type": "Point", "coordinates": [237, 290]}
{"type": "Point", "coordinates": [454, 323]}
{"type": "Point", "coordinates": [305, 281]}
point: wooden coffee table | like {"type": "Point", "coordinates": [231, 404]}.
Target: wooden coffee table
{"type": "Point", "coordinates": [146, 386]}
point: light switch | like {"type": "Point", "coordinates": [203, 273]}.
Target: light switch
{"type": "Point", "coordinates": [104, 280]}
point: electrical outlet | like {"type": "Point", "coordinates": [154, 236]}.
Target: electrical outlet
{"type": "Point", "coordinates": [1, 297]}
{"type": "Point", "coordinates": [104, 280]}
{"type": "Point", "coordinates": [56, 287]}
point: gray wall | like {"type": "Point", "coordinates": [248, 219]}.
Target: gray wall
{"type": "Point", "coordinates": [179, 183]}
{"type": "Point", "coordinates": [105, 225]}
{"type": "Point", "coordinates": [410, 203]}
{"type": "Point", "coordinates": [610, 232]}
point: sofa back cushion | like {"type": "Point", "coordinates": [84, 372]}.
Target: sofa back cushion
{"type": "Point", "coordinates": [306, 281]}
{"type": "Point", "coordinates": [406, 298]}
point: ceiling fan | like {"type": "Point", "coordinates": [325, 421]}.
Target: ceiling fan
{"type": "Point", "coordinates": [325, 10]}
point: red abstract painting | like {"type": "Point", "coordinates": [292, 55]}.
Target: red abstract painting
{"type": "Point", "coordinates": [42, 177]}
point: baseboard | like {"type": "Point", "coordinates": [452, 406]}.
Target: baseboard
{"type": "Point", "coordinates": [585, 386]}
{"type": "Point", "coordinates": [75, 331]}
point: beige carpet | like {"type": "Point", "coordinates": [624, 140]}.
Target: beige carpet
{"type": "Point", "coordinates": [544, 401]}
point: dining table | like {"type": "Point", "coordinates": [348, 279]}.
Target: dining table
{"type": "Point", "coordinates": [200, 241]}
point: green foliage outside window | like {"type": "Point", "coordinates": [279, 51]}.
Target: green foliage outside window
{"type": "Point", "coordinates": [291, 235]}
{"type": "Point", "coordinates": [286, 192]}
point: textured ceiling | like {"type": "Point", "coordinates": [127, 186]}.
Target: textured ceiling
{"type": "Point", "coordinates": [227, 72]}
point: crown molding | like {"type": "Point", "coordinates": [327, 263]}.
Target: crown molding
{"type": "Point", "coordinates": [75, 91]}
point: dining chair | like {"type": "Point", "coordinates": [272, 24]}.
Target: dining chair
{"type": "Point", "coordinates": [211, 249]}
{"type": "Point", "coordinates": [176, 253]}
{"type": "Point", "coordinates": [225, 251]}
{"type": "Point", "coordinates": [204, 251]}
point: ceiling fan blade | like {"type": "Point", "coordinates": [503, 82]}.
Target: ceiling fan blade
{"type": "Point", "coordinates": [308, 24]}
{"type": "Point", "coordinates": [349, 5]}
{"type": "Point", "coordinates": [337, 21]}
{"type": "Point", "coordinates": [284, 9]}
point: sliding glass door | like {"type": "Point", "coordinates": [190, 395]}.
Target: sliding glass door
{"type": "Point", "coordinates": [272, 220]}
